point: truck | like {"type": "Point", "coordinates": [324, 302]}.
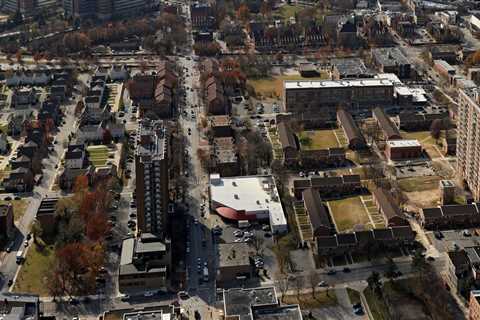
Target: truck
{"type": "Point", "coordinates": [243, 224]}
{"type": "Point", "coordinates": [20, 256]}
{"type": "Point", "coordinates": [205, 274]}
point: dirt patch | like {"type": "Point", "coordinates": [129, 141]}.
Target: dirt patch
{"type": "Point", "coordinates": [424, 199]}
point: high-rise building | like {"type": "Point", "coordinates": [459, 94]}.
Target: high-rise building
{"type": "Point", "coordinates": [79, 8]}
{"type": "Point", "coordinates": [104, 9]}
{"type": "Point", "coordinates": [468, 139]}
{"type": "Point", "coordinates": [151, 169]}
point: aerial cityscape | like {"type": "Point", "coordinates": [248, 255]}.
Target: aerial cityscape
{"type": "Point", "coordinates": [239, 159]}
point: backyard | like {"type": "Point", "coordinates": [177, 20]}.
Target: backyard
{"type": "Point", "coordinates": [348, 213]}
{"type": "Point", "coordinates": [318, 139]}
{"type": "Point", "coordinates": [32, 275]}
{"type": "Point", "coordinates": [420, 183]}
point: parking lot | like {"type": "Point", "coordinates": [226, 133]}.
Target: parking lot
{"type": "Point", "coordinates": [445, 241]}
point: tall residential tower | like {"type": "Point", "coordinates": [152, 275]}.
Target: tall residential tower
{"type": "Point", "coordinates": [151, 166]}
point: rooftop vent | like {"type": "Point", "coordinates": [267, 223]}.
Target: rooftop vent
{"type": "Point", "coordinates": [235, 196]}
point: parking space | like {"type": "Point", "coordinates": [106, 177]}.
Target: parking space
{"type": "Point", "coordinates": [445, 241]}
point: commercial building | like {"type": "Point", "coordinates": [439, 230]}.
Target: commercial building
{"type": "Point", "coordinates": [322, 97]}
{"type": "Point", "coordinates": [248, 198]}
{"type": "Point", "coordinates": [468, 143]}
{"type": "Point", "coordinates": [392, 60]}
{"type": "Point", "coordinates": [16, 306]}
{"type": "Point", "coordinates": [233, 263]}
{"type": "Point", "coordinates": [151, 170]}
{"type": "Point", "coordinates": [403, 149]}
{"type": "Point", "coordinates": [144, 264]}
{"type": "Point", "coordinates": [257, 304]}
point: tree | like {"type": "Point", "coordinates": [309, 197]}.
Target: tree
{"type": "Point", "coordinates": [313, 279]}
{"type": "Point", "coordinates": [243, 13]}
{"type": "Point", "coordinates": [107, 137]}
{"type": "Point", "coordinates": [298, 282]}
{"type": "Point", "coordinates": [436, 129]}
{"type": "Point", "coordinates": [391, 268]}
{"type": "Point", "coordinates": [374, 283]}
{"type": "Point", "coordinates": [265, 9]}
{"type": "Point", "coordinates": [37, 231]}
{"type": "Point", "coordinates": [18, 56]}
{"type": "Point", "coordinates": [419, 263]}
{"type": "Point", "coordinates": [282, 284]}
{"type": "Point", "coordinates": [258, 245]}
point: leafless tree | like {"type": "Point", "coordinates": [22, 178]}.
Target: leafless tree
{"type": "Point", "coordinates": [313, 279]}
{"type": "Point", "coordinates": [258, 245]}
{"type": "Point", "coordinates": [282, 284]}
{"type": "Point", "coordinates": [298, 283]}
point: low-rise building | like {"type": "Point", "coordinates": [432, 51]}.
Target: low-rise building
{"type": "Point", "coordinates": [339, 185]}
{"type": "Point", "coordinates": [46, 215]}
{"type": "Point", "coordinates": [392, 60]}
{"type": "Point", "coordinates": [20, 306]}
{"type": "Point", "coordinates": [7, 226]}
{"type": "Point", "coordinates": [443, 68]}
{"type": "Point", "coordinates": [144, 264]}
{"type": "Point", "coordinates": [388, 208]}
{"type": "Point", "coordinates": [318, 215]}
{"type": "Point", "coordinates": [221, 126]}
{"type": "Point", "coordinates": [389, 130]}
{"type": "Point", "coordinates": [458, 270]}
{"type": "Point", "coordinates": [450, 216]}
{"type": "Point", "coordinates": [403, 149]}
{"type": "Point", "coordinates": [257, 304]}
{"type": "Point", "coordinates": [350, 129]}
{"type": "Point", "coordinates": [474, 305]}
{"type": "Point", "coordinates": [233, 263]}
{"type": "Point", "coordinates": [248, 198]}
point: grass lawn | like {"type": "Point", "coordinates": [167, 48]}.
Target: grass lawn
{"type": "Point", "coordinates": [416, 184]}
{"type": "Point", "coordinates": [19, 207]}
{"type": "Point", "coordinates": [318, 139]}
{"type": "Point", "coordinates": [98, 154]}
{"type": "Point", "coordinates": [349, 212]}
{"type": "Point", "coordinates": [377, 307]}
{"type": "Point", "coordinates": [32, 276]}
{"type": "Point", "coordinates": [273, 87]}
{"type": "Point", "coordinates": [353, 295]}
{"type": "Point", "coordinates": [306, 301]}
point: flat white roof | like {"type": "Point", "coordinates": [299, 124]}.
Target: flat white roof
{"type": "Point", "coordinates": [389, 76]}
{"type": "Point", "coordinates": [403, 143]}
{"type": "Point", "coordinates": [315, 84]}
{"type": "Point", "coordinates": [249, 193]}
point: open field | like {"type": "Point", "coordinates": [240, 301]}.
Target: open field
{"type": "Point", "coordinates": [306, 301]}
{"type": "Point", "coordinates": [273, 87]}
{"type": "Point", "coordinates": [421, 183]}
{"type": "Point", "coordinates": [19, 207]}
{"type": "Point", "coordinates": [426, 140]}
{"type": "Point", "coordinates": [349, 212]}
{"type": "Point", "coordinates": [318, 139]}
{"type": "Point", "coordinates": [32, 276]}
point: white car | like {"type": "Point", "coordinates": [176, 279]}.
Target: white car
{"type": "Point", "coordinates": [149, 294]}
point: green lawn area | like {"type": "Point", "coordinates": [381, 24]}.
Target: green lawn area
{"type": "Point", "coordinates": [273, 87]}
{"type": "Point", "coordinates": [19, 207]}
{"type": "Point", "coordinates": [306, 301]}
{"type": "Point", "coordinates": [353, 295]}
{"type": "Point", "coordinates": [377, 307]}
{"type": "Point", "coordinates": [416, 184]}
{"type": "Point", "coordinates": [34, 271]}
{"type": "Point", "coordinates": [98, 155]}
{"type": "Point", "coordinates": [318, 139]}
{"type": "Point", "coordinates": [349, 212]}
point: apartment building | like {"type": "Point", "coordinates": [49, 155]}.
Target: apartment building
{"type": "Point", "coordinates": [468, 143]}
{"type": "Point", "coordinates": [105, 9]}
{"type": "Point", "coordinates": [322, 97]}
{"type": "Point", "coordinates": [474, 305]}
{"type": "Point", "coordinates": [151, 166]}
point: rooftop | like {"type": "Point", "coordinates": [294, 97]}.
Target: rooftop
{"type": "Point", "coordinates": [252, 194]}
{"type": "Point", "coordinates": [389, 56]}
{"type": "Point", "coordinates": [403, 143]}
{"type": "Point", "coordinates": [315, 84]}
{"type": "Point", "coordinates": [233, 254]}
{"type": "Point", "coordinates": [238, 302]}
{"type": "Point", "coordinates": [291, 312]}
{"type": "Point", "coordinates": [150, 315]}
{"type": "Point", "coordinates": [152, 139]}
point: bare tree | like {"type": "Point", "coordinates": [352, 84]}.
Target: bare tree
{"type": "Point", "coordinates": [258, 245]}
{"type": "Point", "coordinates": [298, 283]}
{"type": "Point", "coordinates": [313, 279]}
{"type": "Point", "coordinates": [282, 284]}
